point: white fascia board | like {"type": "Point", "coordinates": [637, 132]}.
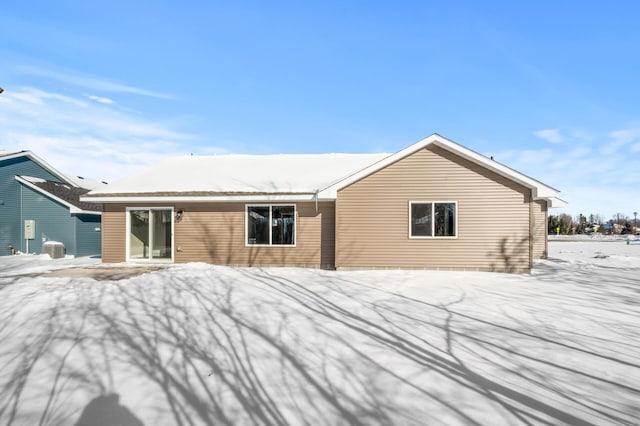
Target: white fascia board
{"type": "Point", "coordinates": [555, 202]}
{"type": "Point", "coordinates": [332, 190]}
{"type": "Point", "coordinates": [202, 199]}
{"type": "Point", "coordinates": [76, 210]}
{"type": "Point", "coordinates": [72, 209]}
{"type": "Point", "coordinates": [541, 191]}
{"type": "Point", "coordinates": [42, 163]}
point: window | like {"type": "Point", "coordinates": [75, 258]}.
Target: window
{"type": "Point", "coordinates": [432, 219]}
{"type": "Point", "coordinates": [271, 225]}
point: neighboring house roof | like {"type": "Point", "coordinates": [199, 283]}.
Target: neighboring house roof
{"type": "Point", "coordinates": [40, 161]}
{"type": "Point", "coordinates": [281, 177]}
{"type": "Point", "coordinates": [65, 194]}
{"type": "Point", "coordinates": [83, 182]}
{"type": "Point", "coordinates": [78, 181]}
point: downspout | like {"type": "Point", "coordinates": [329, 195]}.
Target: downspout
{"type": "Point", "coordinates": [21, 224]}
{"type": "Point", "coordinates": [76, 224]}
{"type": "Point", "coordinates": [316, 197]}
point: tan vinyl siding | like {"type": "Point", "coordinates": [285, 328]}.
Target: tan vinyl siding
{"type": "Point", "coordinates": [540, 230]}
{"type": "Point", "coordinates": [113, 233]}
{"type": "Point", "coordinates": [328, 240]}
{"type": "Point", "coordinates": [372, 229]}
{"type": "Point", "coordinates": [215, 233]}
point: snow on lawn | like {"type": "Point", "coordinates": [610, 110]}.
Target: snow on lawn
{"type": "Point", "coordinates": [198, 344]}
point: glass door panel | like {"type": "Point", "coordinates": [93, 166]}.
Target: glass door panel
{"type": "Point", "coordinates": [161, 222]}
{"type": "Point", "coordinates": [139, 234]}
{"type": "Point", "coordinates": [150, 232]}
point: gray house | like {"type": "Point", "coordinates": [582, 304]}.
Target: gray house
{"type": "Point", "coordinates": [39, 204]}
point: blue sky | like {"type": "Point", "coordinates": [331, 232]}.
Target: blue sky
{"type": "Point", "coordinates": [104, 88]}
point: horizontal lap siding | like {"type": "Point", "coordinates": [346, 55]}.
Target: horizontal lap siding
{"type": "Point", "coordinates": [493, 217]}
{"type": "Point", "coordinates": [88, 234]}
{"type": "Point", "coordinates": [540, 230]}
{"type": "Point", "coordinates": [328, 242]}
{"type": "Point", "coordinates": [113, 233]}
{"type": "Point", "coordinates": [11, 218]}
{"type": "Point", "coordinates": [53, 221]}
{"type": "Point", "coordinates": [215, 233]}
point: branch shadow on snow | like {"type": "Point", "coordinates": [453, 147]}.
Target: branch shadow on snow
{"type": "Point", "coordinates": [256, 346]}
{"type": "Point", "coordinates": [513, 348]}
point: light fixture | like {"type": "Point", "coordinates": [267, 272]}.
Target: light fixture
{"type": "Point", "coordinates": [179, 215]}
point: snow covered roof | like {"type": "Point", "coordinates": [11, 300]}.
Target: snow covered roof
{"type": "Point", "coordinates": [281, 177]}
{"type": "Point", "coordinates": [86, 183]}
{"type": "Point", "coordinates": [241, 175]}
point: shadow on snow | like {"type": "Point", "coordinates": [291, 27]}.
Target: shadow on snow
{"type": "Point", "coordinates": [255, 346]}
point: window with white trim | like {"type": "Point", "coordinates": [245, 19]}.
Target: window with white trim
{"type": "Point", "coordinates": [271, 225]}
{"type": "Point", "coordinates": [149, 233]}
{"type": "Point", "coordinates": [432, 219]}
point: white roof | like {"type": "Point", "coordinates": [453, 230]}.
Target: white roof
{"type": "Point", "coordinates": [281, 177]}
{"type": "Point", "coordinates": [242, 174]}
{"type": "Point", "coordinates": [86, 183]}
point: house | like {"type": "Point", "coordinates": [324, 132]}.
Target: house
{"type": "Point", "coordinates": [39, 204]}
{"type": "Point", "coordinates": [435, 204]}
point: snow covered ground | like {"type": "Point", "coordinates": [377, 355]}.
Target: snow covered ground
{"type": "Point", "coordinates": [198, 344]}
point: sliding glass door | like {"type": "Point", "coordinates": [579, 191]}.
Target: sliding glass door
{"type": "Point", "coordinates": [149, 233]}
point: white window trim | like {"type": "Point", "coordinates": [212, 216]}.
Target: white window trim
{"type": "Point", "coordinates": [433, 222]}
{"type": "Point", "coordinates": [246, 225]}
{"type": "Point", "coordinates": [128, 235]}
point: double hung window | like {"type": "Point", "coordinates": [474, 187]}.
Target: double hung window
{"type": "Point", "coordinates": [432, 219]}
{"type": "Point", "coordinates": [271, 225]}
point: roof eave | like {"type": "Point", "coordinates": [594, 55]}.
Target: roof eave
{"type": "Point", "coordinates": [72, 209]}
{"type": "Point", "coordinates": [555, 202]}
{"type": "Point", "coordinates": [151, 198]}
{"type": "Point", "coordinates": [42, 163]}
{"type": "Point", "coordinates": [540, 190]}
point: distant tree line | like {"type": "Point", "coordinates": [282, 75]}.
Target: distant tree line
{"type": "Point", "coordinates": [619, 224]}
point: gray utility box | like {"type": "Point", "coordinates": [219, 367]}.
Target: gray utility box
{"type": "Point", "coordinates": [54, 249]}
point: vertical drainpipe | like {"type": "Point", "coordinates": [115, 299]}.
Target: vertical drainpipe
{"type": "Point", "coordinates": [21, 224]}
{"type": "Point", "coordinates": [76, 224]}
{"type": "Point", "coordinates": [316, 197]}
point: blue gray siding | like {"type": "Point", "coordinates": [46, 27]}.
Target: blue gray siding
{"type": "Point", "coordinates": [11, 220]}
{"type": "Point", "coordinates": [88, 235]}
{"type": "Point", "coordinates": [53, 221]}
